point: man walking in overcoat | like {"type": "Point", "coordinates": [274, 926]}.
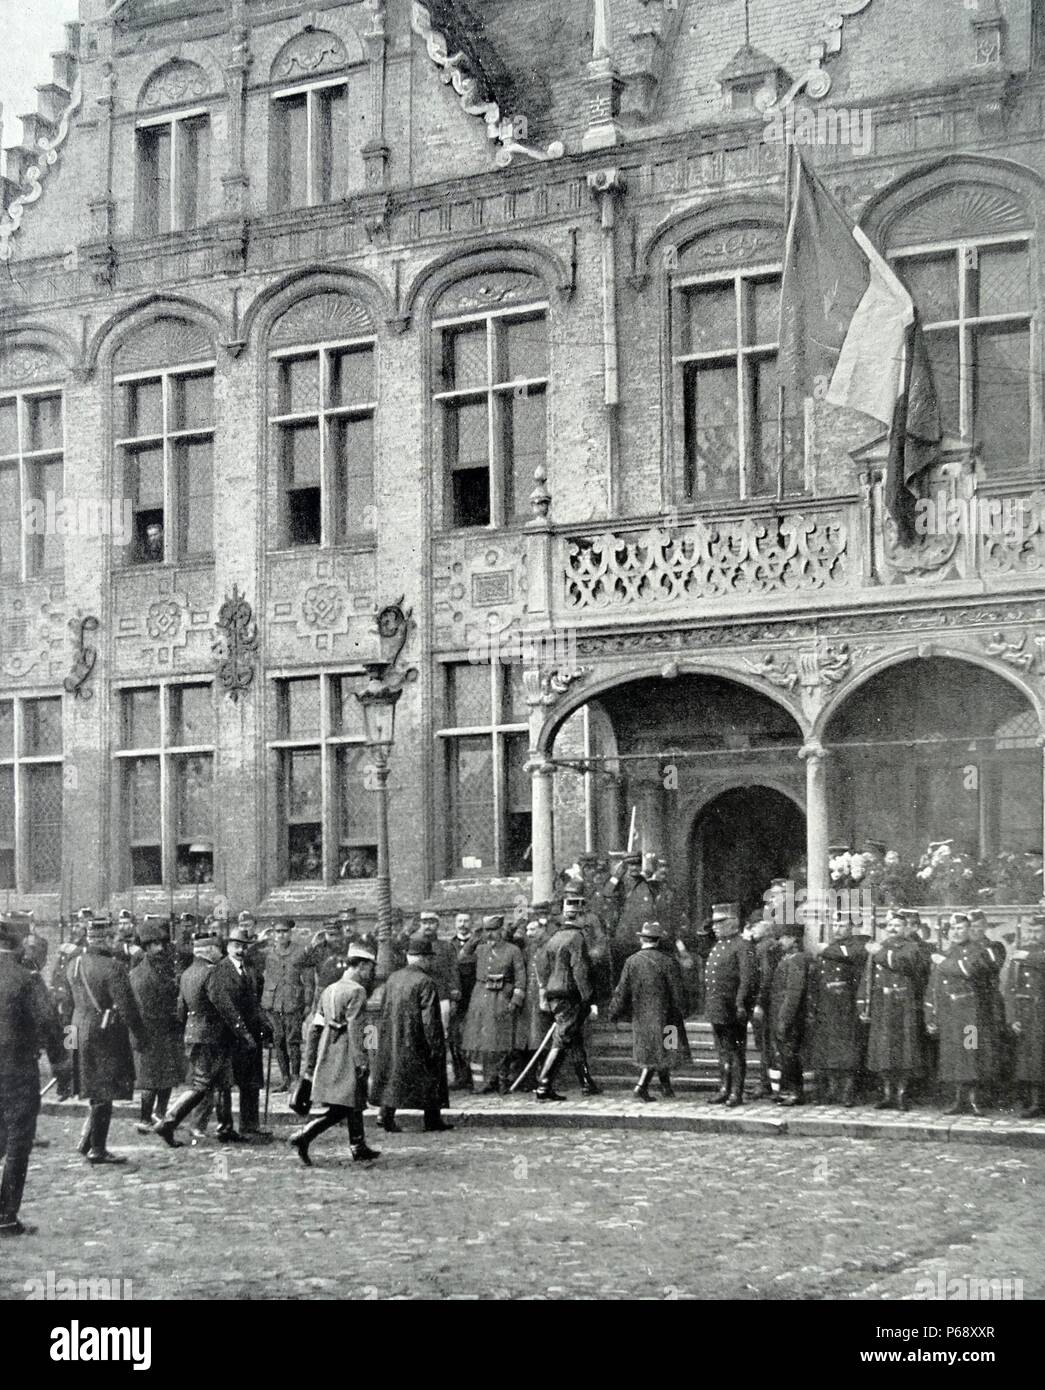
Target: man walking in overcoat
{"type": "Point", "coordinates": [160, 1065]}
{"type": "Point", "coordinates": [106, 1018]}
{"type": "Point", "coordinates": [336, 1061]}
{"type": "Point", "coordinates": [410, 1070]}
{"type": "Point", "coordinates": [494, 1029]}
{"type": "Point", "coordinates": [29, 1023]}
{"type": "Point", "coordinates": [234, 992]}
{"type": "Point", "coordinates": [650, 994]}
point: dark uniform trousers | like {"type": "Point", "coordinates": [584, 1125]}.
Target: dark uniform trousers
{"type": "Point", "coordinates": [19, 1107]}
{"type": "Point", "coordinates": [286, 1027]}
{"type": "Point", "coordinates": [210, 1083]}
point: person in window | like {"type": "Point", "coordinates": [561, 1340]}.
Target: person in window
{"type": "Point", "coordinates": [359, 863]}
{"type": "Point", "coordinates": [152, 550]}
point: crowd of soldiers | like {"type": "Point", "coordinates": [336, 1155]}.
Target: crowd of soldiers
{"type": "Point", "coordinates": [351, 1021]}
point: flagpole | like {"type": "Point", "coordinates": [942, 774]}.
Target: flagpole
{"type": "Point", "coordinates": [781, 388]}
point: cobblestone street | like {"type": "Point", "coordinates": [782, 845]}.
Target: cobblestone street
{"type": "Point", "coordinates": [550, 1214]}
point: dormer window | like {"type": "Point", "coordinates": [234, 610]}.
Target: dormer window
{"type": "Point", "coordinates": [173, 171]}
{"type": "Point", "coordinates": [751, 81]}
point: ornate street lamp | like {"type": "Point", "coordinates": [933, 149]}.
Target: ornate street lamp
{"type": "Point", "coordinates": [378, 699]}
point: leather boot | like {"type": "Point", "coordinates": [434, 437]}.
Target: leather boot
{"type": "Point", "coordinates": [902, 1103]}
{"type": "Point", "coordinates": [886, 1102]}
{"type": "Point", "coordinates": [84, 1145]}
{"type": "Point", "coordinates": [725, 1079]}
{"type": "Point", "coordinates": [666, 1088]}
{"type": "Point", "coordinates": [552, 1063]}
{"type": "Point", "coordinates": [849, 1091]}
{"type": "Point", "coordinates": [589, 1086]}
{"type": "Point", "coordinates": [974, 1105]}
{"type": "Point", "coordinates": [736, 1095]}
{"type": "Point", "coordinates": [958, 1108]}
{"type": "Point", "coordinates": [641, 1091]}
{"type": "Point", "coordinates": [388, 1121]}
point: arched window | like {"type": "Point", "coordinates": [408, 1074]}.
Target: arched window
{"type": "Point", "coordinates": [724, 289]}
{"type": "Point", "coordinates": [490, 390]}
{"type": "Point", "coordinates": [173, 151]}
{"type": "Point", "coordinates": [966, 254]}
{"type": "Point", "coordinates": [164, 430]}
{"type": "Point", "coordinates": [322, 399]}
{"type": "Point", "coordinates": [319, 119]}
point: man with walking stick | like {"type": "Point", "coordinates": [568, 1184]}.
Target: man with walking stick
{"type": "Point", "coordinates": [564, 975]}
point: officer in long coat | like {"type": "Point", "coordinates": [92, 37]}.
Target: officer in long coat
{"type": "Point", "coordinates": [465, 942]}
{"type": "Point", "coordinates": [729, 994]}
{"type": "Point", "coordinates": [208, 1043]}
{"type": "Point", "coordinates": [786, 1018]}
{"type": "Point", "coordinates": [650, 994]}
{"type": "Point", "coordinates": [767, 951]}
{"type": "Point", "coordinates": [283, 999]}
{"type": "Point", "coordinates": [495, 1027]}
{"type": "Point", "coordinates": [1024, 994]}
{"type": "Point", "coordinates": [105, 1017]}
{"type": "Point", "coordinates": [837, 1036]}
{"type": "Point", "coordinates": [536, 1018]}
{"type": "Point", "coordinates": [160, 1065]}
{"type": "Point", "coordinates": [336, 1060]}
{"type": "Point", "coordinates": [563, 970]}
{"type": "Point", "coordinates": [959, 1012]}
{"type": "Point", "coordinates": [410, 1070]}
{"type": "Point", "coordinates": [890, 1000]}
{"type": "Point", "coordinates": [29, 1023]}
{"type": "Point", "coordinates": [234, 991]}
{"type": "Point", "coordinates": [632, 904]}
{"type": "Point", "coordinates": [1003, 1042]}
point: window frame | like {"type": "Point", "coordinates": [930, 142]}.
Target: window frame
{"type": "Point", "coordinates": [26, 461]}
{"type": "Point", "coordinates": [490, 393]}
{"type": "Point", "coordinates": [966, 326]}
{"type": "Point", "coordinates": [499, 730]}
{"type": "Point", "coordinates": [19, 762]}
{"type": "Point", "coordinates": [176, 122]}
{"type": "Point", "coordinates": [327, 742]}
{"type": "Point", "coordinates": [166, 752]}
{"type": "Point", "coordinates": [741, 356]}
{"type": "Point", "coordinates": [316, 194]}
{"type": "Point", "coordinates": [322, 416]}
{"type": "Point", "coordinates": [128, 445]}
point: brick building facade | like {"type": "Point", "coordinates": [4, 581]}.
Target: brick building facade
{"type": "Point", "coordinates": [476, 304]}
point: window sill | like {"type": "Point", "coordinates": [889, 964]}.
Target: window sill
{"type": "Point", "coordinates": [361, 546]}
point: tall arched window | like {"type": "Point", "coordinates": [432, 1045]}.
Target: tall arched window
{"type": "Point", "coordinates": [322, 400]}
{"type": "Point", "coordinates": [490, 388]}
{"type": "Point", "coordinates": [966, 254]}
{"type": "Point", "coordinates": [164, 430]}
{"type": "Point", "coordinates": [173, 151]}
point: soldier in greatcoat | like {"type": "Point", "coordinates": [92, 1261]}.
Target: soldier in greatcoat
{"type": "Point", "coordinates": [890, 1000]}
{"type": "Point", "coordinates": [1024, 993]}
{"type": "Point", "coordinates": [106, 1018]}
{"type": "Point", "coordinates": [837, 1036]}
{"type": "Point", "coordinates": [410, 1069]}
{"type": "Point", "coordinates": [536, 1019]}
{"type": "Point", "coordinates": [563, 971]}
{"type": "Point", "coordinates": [632, 904]}
{"type": "Point", "coordinates": [494, 1030]}
{"type": "Point", "coordinates": [958, 1011]}
{"type": "Point", "coordinates": [786, 1018]}
{"type": "Point", "coordinates": [336, 1059]}
{"type": "Point", "coordinates": [208, 1043]}
{"type": "Point", "coordinates": [729, 994]}
{"type": "Point", "coordinates": [29, 1023]}
{"type": "Point", "coordinates": [767, 951]}
{"type": "Point", "coordinates": [283, 999]}
{"type": "Point", "coordinates": [1003, 1043]}
{"type": "Point", "coordinates": [650, 994]}
{"type": "Point", "coordinates": [160, 1065]}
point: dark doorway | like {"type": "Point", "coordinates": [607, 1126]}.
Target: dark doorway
{"type": "Point", "coordinates": [742, 840]}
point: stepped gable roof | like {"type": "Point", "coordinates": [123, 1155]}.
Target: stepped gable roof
{"type": "Point", "coordinates": [748, 62]}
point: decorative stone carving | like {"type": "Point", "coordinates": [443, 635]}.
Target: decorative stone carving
{"type": "Point", "coordinates": [163, 342]}
{"type": "Point", "coordinates": [76, 682]}
{"type": "Point", "coordinates": [546, 685]}
{"type": "Point", "coordinates": [723, 559]}
{"type": "Point", "coordinates": [1026, 653]}
{"type": "Point", "coordinates": [34, 175]}
{"type": "Point", "coordinates": [508, 132]}
{"type": "Point", "coordinates": [1021, 550]}
{"type": "Point", "coordinates": [308, 55]}
{"type": "Point", "coordinates": [28, 366]}
{"type": "Point", "coordinates": [816, 80]}
{"type": "Point", "coordinates": [988, 27]}
{"type": "Point", "coordinates": [965, 210]}
{"type": "Point", "coordinates": [32, 632]}
{"type": "Point", "coordinates": [464, 571]}
{"type": "Point", "coordinates": [315, 601]}
{"type": "Point", "coordinates": [177, 83]}
{"type": "Point", "coordinates": [237, 646]}
{"type": "Point", "coordinates": [495, 290]}
{"type": "Point", "coordinates": [155, 618]}
{"type": "Point", "coordinates": [322, 318]}
{"type": "Point", "coordinates": [812, 671]}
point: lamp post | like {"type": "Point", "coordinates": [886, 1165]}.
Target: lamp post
{"type": "Point", "coordinates": [379, 699]}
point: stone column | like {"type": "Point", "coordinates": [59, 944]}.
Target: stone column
{"type": "Point", "coordinates": [817, 838]}
{"type": "Point", "coordinates": [542, 829]}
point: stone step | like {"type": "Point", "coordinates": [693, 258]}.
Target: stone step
{"type": "Point", "coordinates": [63, 68]}
{"type": "Point", "coordinates": [35, 128]}
{"type": "Point", "coordinates": [52, 100]}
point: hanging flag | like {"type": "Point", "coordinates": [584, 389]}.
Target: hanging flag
{"type": "Point", "coordinates": [849, 335]}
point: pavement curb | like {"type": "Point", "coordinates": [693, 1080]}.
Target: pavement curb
{"type": "Point", "coordinates": [761, 1120]}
